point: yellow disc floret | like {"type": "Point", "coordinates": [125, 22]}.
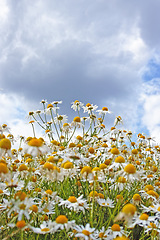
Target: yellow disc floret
{"type": "Point", "coordinates": [115, 227]}
{"type": "Point", "coordinates": [5, 143]}
{"type": "Point", "coordinates": [61, 219]}
{"type": "Point", "coordinates": [72, 199]}
{"type": "Point", "coordinates": [119, 159]}
{"type": "Point", "coordinates": [21, 224]}
{"type": "Point", "coordinates": [35, 142]}
{"type": "Point", "coordinates": [77, 119]}
{"type": "Point", "coordinates": [130, 169]}
{"type": "Point", "coordinates": [3, 168]}
{"type": "Point", "coordinates": [129, 209]}
{"type": "Point", "coordinates": [143, 216]}
{"type": "Point", "coordinates": [115, 151]}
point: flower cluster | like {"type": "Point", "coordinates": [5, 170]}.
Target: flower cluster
{"type": "Point", "coordinates": [80, 181]}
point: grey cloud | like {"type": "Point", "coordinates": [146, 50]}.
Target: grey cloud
{"type": "Point", "coordinates": [50, 51]}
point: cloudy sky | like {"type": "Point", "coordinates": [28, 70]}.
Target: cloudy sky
{"type": "Point", "coordinates": [106, 52]}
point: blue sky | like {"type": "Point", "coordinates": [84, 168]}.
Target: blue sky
{"type": "Point", "coordinates": [103, 52]}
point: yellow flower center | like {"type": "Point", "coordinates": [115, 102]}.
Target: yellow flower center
{"type": "Point", "coordinates": [61, 219]}
{"type": "Point", "coordinates": [86, 232]}
{"type": "Point", "coordinates": [22, 167]}
{"type": "Point", "coordinates": [3, 168]}
{"type": "Point", "coordinates": [121, 179]}
{"type": "Point", "coordinates": [134, 151]}
{"type": "Point", "coordinates": [93, 193]}
{"type": "Point", "coordinates": [5, 143]}
{"type": "Point", "coordinates": [88, 105]}
{"type": "Point", "coordinates": [49, 191]}
{"type": "Point", "coordinates": [79, 138]}
{"type": "Point", "coordinates": [119, 159]}
{"type": "Point", "coordinates": [48, 165]}
{"type": "Point", "coordinates": [153, 193]}
{"type": "Point", "coordinates": [101, 235]}
{"type": "Point", "coordinates": [130, 169]}
{"type": "Point", "coordinates": [77, 119]}
{"type": "Point", "coordinates": [129, 209]}
{"type": "Point", "coordinates": [21, 224]}
{"type": "Point", "coordinates": [68, 165]}
{"type": "Point", "coordinates": [115, 227]}
{"type": "Point", "coordinates": [45, 229]}
{"type": "Point", "coordinates": [143, 216]}
{"type": "Point", "coordinates": [71, 145]}
{"type": "Point", "coordinates": [34, 208]}
{"type": "Point", "coordinates": [91, 150]}
{"type": "Point", "coordinates": [107, 161]}
{"type": "Point", "coordinates": [86, 169]}
{"type": "Point", "coordinates": [104, 144]}
{"type": "Point", "coordinates": [1, 191]}
{"type": "Point", "coordinates": [103, 166]}
{"type": "Point", "coordinates": [49, 106]}
{"type": "Point", "coordinates": [115, 151]}
{"type": "Point", "coordinates": [34, 142]}
{"type": "Point", "coordinates": [105, 109]}
{"type": "Point", "coordinates": [148, 187]}
{"type": "Point", "coordinates": [22, 206]}
{"type": "Point", "coordinates": [72, 199]}
{"type": "Point", "coordinates": [136, 197]}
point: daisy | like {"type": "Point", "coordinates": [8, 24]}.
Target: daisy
{"type": "Point", "coordinates": [76, 105]}
{"type": "Point", "coordinates": [115, 231]}
{"type": "Point", "coordinates": [104, 111]}
{"type": "Point", "coordinates": [61, 118]}
{"type": "Point", "coordinates": [45, 227]}
{"type": "Point", "coordinates": [127, 213]}
{"type": "Point", "coordinates": [130, 172]}
{"type": "Point", "coordinates": [89, 108]}
{"type": "Point", "coordinates": [5, 147]}
{"type": "Point", "coordinates": [85, 233]}
{"type": "Point", "coordinates": [101, 234]}
{"type": "Point", "coordinates": [76, 204]}
{"type": "Point", "coordinates": [118, 121]}
{"type": "Point", "coordinates": [35, 147]}
{"type": "Point", "coordinates": [62, 222]}
{"type": "Point", "coordinates": [21, 207]}
{"type": "Point", "coordinates": [105, 202]}
{"type": "Point", "coordinates": [143, 220]}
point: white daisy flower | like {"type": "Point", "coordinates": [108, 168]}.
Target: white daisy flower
{"type": "Point", "coordinates": [105, 202]}
{"type": "Point", "coordinates": [62, 222]}
{"type": "Point", "coordinates": [84, 232]}
{"type": "Point", "coordinates": [76, 204]}
{"type": "Point", "coordinates": [45, 227]}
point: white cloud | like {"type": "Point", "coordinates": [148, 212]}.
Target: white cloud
{"type": "Point", "coordinates": [151, 108]}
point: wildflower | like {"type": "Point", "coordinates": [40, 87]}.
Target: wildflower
{"type": "Point", "coordinates": [115, 231]}
{"type": "Point", "coordinates": [85, 232]}
{"type": "Point", "coordinates": [62, 222]}
{"type": "Point", "coordinates": [104, 111]}
{"type": "Point", "coordinates": [35, 147]}
{"type": "Point", "coordinates": [89, 108]}
{"type": "Point", "coordinates": [5, 147]}
{"type": "Point", "coordinates": [105, 202]}
{"type": "Point", "coordinates": [127, 213]}
{"type": "Point", "coordinates": [76, 105]}
{"type": "Point", "coordinates": [77, 204]}
{"type": "Point", "coordinates": [45, 227]}
{"type": "Point", "coordinates": [115, 151]}
{"type": "Point", "coordinates": [136, 199]}
{"type": "Point", "coordinates": [76, 122]}
{"type": "Point", "coordinates": [118, 120]}
{"type": "Point", "coordinates": [3, 168]}
{"type": "Point", "coordinates": [101, 234]}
